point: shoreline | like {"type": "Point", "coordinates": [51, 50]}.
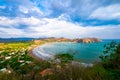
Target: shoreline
{"type": "Point", "coordinates": [41, 55]}
{"type": "Point", "coordinates": [35, 56]}
{"type": "Point", "coordinates": [40, 46]}
{"type": "Point", "coordinates": [40, 52]}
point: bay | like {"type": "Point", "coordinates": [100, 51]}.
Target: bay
{"type": "Point", "coordinates": [84, 52]}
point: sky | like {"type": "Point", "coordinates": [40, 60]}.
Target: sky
{"type": "Point", "coordinates": [60, 18]}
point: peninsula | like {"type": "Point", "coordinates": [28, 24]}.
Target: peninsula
{"type": "Point", "coordinates": [62, 39]}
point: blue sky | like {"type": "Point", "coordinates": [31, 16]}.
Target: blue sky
{"type": "Point", "coordinates": [60, 18]}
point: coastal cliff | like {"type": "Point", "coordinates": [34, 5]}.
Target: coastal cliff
{"type": "Point", "coordinates": [87, 40]}
{"type": "Point", "coordinates": [62, 39]}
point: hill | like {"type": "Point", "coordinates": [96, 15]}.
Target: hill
{"type": "Point", "coordinates": [15, 39]}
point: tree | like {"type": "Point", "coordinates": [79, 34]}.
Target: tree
{"type": "Point", "coordinates": [111, 59]}
{"type": "Point", "coordinates": [64, 58]}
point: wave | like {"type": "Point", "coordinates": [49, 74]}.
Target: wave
{"type": "Point", "coordinates": [44, 55]}
{"type": "Point", "coordinates": [40, 53]}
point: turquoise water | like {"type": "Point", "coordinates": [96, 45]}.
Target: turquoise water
{"type": "Point", "coordinates": [85, 52]}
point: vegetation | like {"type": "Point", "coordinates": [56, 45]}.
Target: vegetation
{"type": "Point", "coordinates": [111, 59]}
{"type": "Point", "coordinates": [64, 57]}
{"type": "Point", "coordinates": [17, 64]}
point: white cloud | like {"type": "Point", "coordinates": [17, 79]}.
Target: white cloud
{"type": "Point", "coordinates": [54, 28]}
{"type": "Point", "coordinates": [23, 9]}
{"type": "Point", "coordinates": [31, 9]}
{"type": "Point", "coordinates": [4, 21]}
{"type": "Point", "coordinates": [10, 32]}
{"type": "Point", "coordinates": [79, 8]}
{"type": "Point", "coordinates": [2, 7]}
{"type": "Point", "coordinates": [107, 12]}
{"type": "Point", "coordinates": [64, 17]}
{"type": "Point", "coordinates": [36, 9]}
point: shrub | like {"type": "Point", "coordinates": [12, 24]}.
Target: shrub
{"type": "Point", "coordinates": [111, 59]}
{"type": "Point", "coordinates": [64, 57]}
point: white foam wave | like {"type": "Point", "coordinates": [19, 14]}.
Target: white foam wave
{"type": "Point", "coordinates": [40, 53]}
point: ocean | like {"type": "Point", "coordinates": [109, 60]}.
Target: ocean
{"type": "Point", "coordinates": [84, 52]}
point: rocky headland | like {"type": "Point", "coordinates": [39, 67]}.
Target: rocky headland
{"type": "Point", "coordinates": [87, 40]}
{"type": "Point", "coordinates": [62, 39]}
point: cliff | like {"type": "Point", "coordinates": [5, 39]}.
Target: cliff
{"type": "Point", "coordinates": [62, 39]}
{"type": "Point", "coordinates": [87, 40]}
{"type": "Point", "coordinates": [51, 39]}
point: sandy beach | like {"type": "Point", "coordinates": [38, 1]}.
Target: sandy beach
{"type": "Point", "coordinates": [39, 53]}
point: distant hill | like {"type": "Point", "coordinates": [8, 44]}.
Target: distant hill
{"type": "Point", "coordinates": [15, 39]}
{"type": "Point", "coordinates": [62, 39]}
{"type": "Point", "coordinates": [50, 39]}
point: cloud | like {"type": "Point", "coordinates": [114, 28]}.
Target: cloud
{"type": "Point", "coordinates": [31, 21]}
{"type": "Point", "coordinates": [2, 7]}
{"type": "Point", "coordinates": [73, 8]}
{"type": "Point", "coordinates": [30, 10]}
{"type": "Point", "coordinates": [10, 32]}
{"type": "Point", "coordinates": [54, 27]}
{"type": "Point", "coordinates": [110, 12]}
{"type": "Point", "coordinates": [23, 9]}
{"type": "Point", "coordinates": [80, 9]}
{"type": "Point", "coordinates": [60, 18]}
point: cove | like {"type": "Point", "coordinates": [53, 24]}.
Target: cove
{"type": "Point", "coordinates": [84, 52]}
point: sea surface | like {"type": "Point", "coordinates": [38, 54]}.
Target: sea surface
{"type": "Point", "coordinates": [84, 52]}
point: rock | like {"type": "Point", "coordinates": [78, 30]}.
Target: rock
{"type": "Point", "coordinates": [62, 39]}
{"type": "Point", "coordinates": [87, 40]}
{"type": "Point", "coordinates": [47, 71]}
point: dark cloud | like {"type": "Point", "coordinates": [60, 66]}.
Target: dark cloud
{"type": "Point", "coordinates": [54, 8]}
